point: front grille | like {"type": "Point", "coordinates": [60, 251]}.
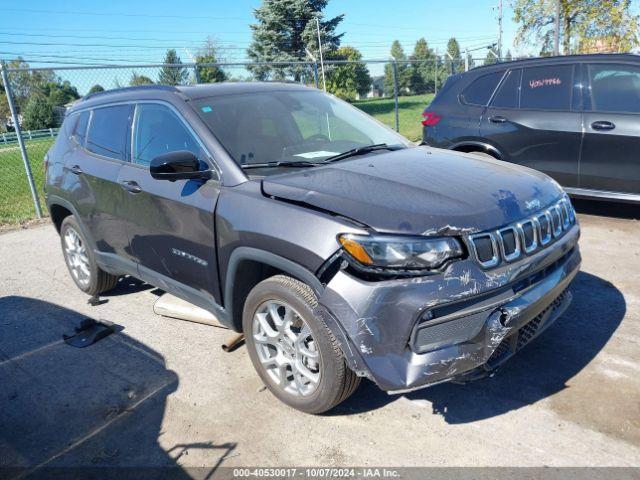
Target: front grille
{"type": "Point", "coordinates": [510, 243]}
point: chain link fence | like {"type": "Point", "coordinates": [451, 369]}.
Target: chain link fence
{"type": "Point", "coordinates": [33, 102]}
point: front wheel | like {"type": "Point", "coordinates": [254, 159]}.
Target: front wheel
{"type": "Point", "coordinates": [80, 261]}
{"type": "Point", "coordinates": [294, 352]}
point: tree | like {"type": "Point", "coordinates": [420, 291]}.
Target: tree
{"type": "Point", "coordinates": [490, 59]}
{"type": "Point", "coordinates": [403, 71]}
{"type": "Point", "coordinates": [285, 31]}
{"type": "Point", "coordinates": [172, 75]}
{"type": "Point", "coordinates": [210, 73]}
{"type": "Point", "coordinates": [452, 66]}
{"type": "Point", "coordinates": [137, 80]}
{"type": "Point", "coordinates": [508, 57]}
{"type": "Point", "coordinates": [59, 93]}
{"type": "Point", "coordinates": [25, 83]}
{"type": "Point", "coordinates": [422, 68]}
{"type": "Point", "coordinates": [583, 23]}
{"type": "Point", "coordinates": [5, 112]}
{"type": "Point", "coordinates": [96, 88]}
{"type": "Point", "coordinates": [38, 113]}
{"type": "Point", "coordinates": [348, 80]}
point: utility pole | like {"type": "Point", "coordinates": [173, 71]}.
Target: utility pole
{"type": "Point", "coordinates": [500, 30]}
{"type": "Point", "coordinates": [324, 83]}
{"type": "Point", "coordinates": [556, 33]}
{"type": "Point", "coordinates": [466, 59]}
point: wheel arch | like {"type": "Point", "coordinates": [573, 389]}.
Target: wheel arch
{"type": "Point", "coordinates": [469, 146]}
{"type": "Point", "coordinates": [63, 208]}
{"type": "Point", "coordinates": [248, 266]}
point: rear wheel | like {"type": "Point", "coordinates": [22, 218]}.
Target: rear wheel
{"type": "Point", "coordinates": [293, 351]}
{"type": "Point", "coordinates": [80, 261]}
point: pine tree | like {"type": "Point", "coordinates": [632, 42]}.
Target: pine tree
{"type": "Point", "coordinates": [172, 75]}
{"type": "Point", "coordinates": [285, 31]}
{"type": "Point", "coordinates": [452, 66]}
{"type": "Point", "coordinates": [422, 74]}
{"type": "Point", "coordinates": [404, 74]}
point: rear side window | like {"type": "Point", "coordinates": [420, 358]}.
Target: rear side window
{"type": "Point", "coordinates": [108, 131]}
{"type": "Point", "coordinates": [158, 131]}
{"type": "Point", "coordinates": [509, 94]}
{"type": "Point", "coordinates": [547, 88]}
{"type": "Point", "coordinates": [614, 88]}
{"type": "Point", "coordinates": [80, 130]}
{"type": "Point", "coordinates": [480, 90]}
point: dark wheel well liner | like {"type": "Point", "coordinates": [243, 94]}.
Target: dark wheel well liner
{"type": "Point", "coordinates": [249, 266]}
{"type": "Point", "coordinates": [58, 214]}
{"type": "Point", "coordinates": [469, 147]}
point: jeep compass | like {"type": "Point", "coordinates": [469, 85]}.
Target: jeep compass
{"type": "Point", "coordinates": [337, 247]}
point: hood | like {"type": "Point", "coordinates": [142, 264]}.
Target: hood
{"type": "Point", "coordinates": [420, 190]}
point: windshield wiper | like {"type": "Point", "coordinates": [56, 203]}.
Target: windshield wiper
{"type": "Point", "coordinates": [359, 151]}
{"type": "Point", "coordinates": [279, 164]}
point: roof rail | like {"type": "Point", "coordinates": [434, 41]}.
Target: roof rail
{"type": "Point", "coordinates": [129, 89]}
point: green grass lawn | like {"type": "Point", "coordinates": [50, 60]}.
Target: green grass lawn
{"type": "Point", "coordinates": [410, 113]}
{"type": "Point", "coordinates": [16, 205]}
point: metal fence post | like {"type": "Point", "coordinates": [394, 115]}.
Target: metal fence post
{"type": "Point", "coordinates": [23, 150]}
{"type": "Point", "coordinates": [315, 74]}
{"type": "Point", "coordinates": [435, 75]}
{"type": "Point", "coordinates": [395, 92]}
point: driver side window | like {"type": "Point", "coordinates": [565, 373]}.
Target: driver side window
{"type": "Point", "coordinates": [157, 130]}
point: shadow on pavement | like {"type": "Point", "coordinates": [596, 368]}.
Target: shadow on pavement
{"type": "Point", "coordinates": [67, 412]}
{"type": "Point", "coordinates": [541, 369]}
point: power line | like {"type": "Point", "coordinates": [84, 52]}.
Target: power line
{"type": "Point", "coordinates": [120, 14]}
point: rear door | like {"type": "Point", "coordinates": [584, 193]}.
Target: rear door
{"type": "Point", "coordinates": [170, 224]}
{"type": "Point", "coordinates": [100, 140]}
{"type": "Point", "coordinates": [534, 120]}
{"type": "Point", "coordinates": [610, 151]}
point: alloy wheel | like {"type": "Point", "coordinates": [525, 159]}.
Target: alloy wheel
{"type": "Point", "coordinates": [286, 348]}
{"type": "Point", "coordinates": [76, 253]}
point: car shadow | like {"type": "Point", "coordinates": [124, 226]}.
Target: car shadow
{"type": "Point", "coordinates": [540, 370]}
{"type": "Point", "coordinates": [606, 209]}
{"type": "Point", "coordinates": [70, 412]}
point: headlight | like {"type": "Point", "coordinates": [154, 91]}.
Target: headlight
{"type": "Point", "coordinates": [398, 252]}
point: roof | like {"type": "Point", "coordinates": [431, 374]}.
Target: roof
{"type": "Point", "coordinates": [560, 59]}
{"type": "Point", "coordinates": [187, 92]}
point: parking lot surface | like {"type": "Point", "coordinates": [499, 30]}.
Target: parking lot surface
{"type": "Point", "coordinates": [161, 392]}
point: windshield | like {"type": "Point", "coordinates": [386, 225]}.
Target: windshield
{"type": "Point", "coordinates": [290, 126]}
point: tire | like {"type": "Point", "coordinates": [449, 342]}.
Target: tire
{"type": "Point", "coordinates": [295, 301]}
{"type": "Point", "coordinates": [81, 262]}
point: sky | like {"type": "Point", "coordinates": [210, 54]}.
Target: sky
{"type": "Point", "coordinates": [139, 32]}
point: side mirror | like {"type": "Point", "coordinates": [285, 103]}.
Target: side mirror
{"type": "Point", "coordinates": [178, 165]}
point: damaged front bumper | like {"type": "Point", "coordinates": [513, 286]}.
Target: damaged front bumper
{"type": "Point", "coordinates": [406, 334]}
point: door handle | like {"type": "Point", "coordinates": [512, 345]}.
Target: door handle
{"type": "Point", "coordinates": [497, 119]}
{"type": "Point", "coordinates": [76, 170]}
{"type": "Point", "coordinates": [603, 125]}
{"type": "Point", "coordinates": [131, 186]}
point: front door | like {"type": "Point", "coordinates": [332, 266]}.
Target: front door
{"type": "Point", "coordinates": [171, 224]}
{"type": "Point", "coordinates": [610, 151]}
{"type": "Point", "coordinates": [534, 121]}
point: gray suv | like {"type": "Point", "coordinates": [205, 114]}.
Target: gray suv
{"type": "Point", "coordinates": [340, 249]}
